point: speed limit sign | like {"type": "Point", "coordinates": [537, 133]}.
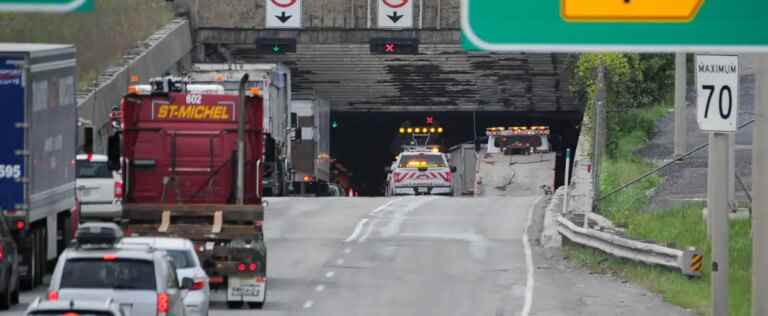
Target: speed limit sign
{"type": "Point", "coordinates": [717, 81]}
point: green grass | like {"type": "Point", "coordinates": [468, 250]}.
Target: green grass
{"type": "Point", "coordinates": [680, 228]}
{"type": "Point", "coordinates": [101, 36]}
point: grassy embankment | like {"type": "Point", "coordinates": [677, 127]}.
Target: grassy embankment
{"type": "Point", "coordinates": [101, 36]}
{"type": "Point", "coordinates": [680, 228]}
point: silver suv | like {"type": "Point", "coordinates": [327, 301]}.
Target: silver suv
{"type": "Point", "coordinates": [142, 280]}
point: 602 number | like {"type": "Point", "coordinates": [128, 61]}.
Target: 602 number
{"type": "Point", "coordinates": [724, 90]}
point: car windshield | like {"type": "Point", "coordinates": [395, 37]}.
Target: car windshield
{"type": "Point", "coordinates": [92, 169]}
{"type": "Point", "coordinates": [183, 259]}
{"type": "Point", "coordinates": [108, 274]}
{"type": "Point", "coordinates": [420, 160]}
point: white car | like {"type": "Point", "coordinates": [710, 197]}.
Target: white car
{"type": "Point", "coordinates": [99, 190]}
{"type": "Point", "coordinates": [182, 251]}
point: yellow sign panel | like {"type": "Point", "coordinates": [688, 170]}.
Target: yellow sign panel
{"type": "Point", "coordinates": [193, 112]}
{"type": "Point", "coordinates": [630, 10]}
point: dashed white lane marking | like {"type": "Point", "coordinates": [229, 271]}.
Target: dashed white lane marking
{"type": "Point", "coordinates": [340, 261]}
{"type": "Point", "coordinates": [347, 250]}
{"type": "Point", "coordinates": [308, 304]}
{"type": "Point", "coordinates": [329, 274]}
{"type": "Point", "coordinates": [529, 281]}
{"type": "Point", "coordinates": [367, 233]}
{"type": "Point", "coordinates": [357, 230]}
{"type": "Point", "coordinates": [381, 208]}
{"type": "Point", "coordinates": [320, 288]}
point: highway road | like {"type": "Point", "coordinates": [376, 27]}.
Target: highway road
{"type": "Point", "coordinates": [423, 256]}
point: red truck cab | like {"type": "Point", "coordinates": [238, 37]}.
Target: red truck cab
{"type": "Point", "coordinates": [190, 159]}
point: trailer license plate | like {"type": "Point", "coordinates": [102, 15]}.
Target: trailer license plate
{"type": "Point", "coordinates": [423, 190]}
{"type": "Point", "coordinates": [245, 289]}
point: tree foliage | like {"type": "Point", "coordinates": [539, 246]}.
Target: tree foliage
{"type": "Point", "coordinates": [633, 82]}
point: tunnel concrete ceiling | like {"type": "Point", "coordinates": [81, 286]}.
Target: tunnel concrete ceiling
{"type": "Point", "coordinates": [440, 77]}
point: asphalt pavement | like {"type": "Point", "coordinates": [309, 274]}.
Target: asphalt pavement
{"type": "Point", "coordinates": [422, 256]}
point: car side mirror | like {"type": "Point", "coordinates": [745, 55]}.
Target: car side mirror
{"type": "Point", "coordinates": [387, 169]}
{"type": "Point", "coordinates": [187, 283]}
{"type": "Point", "coordinates": [453, 169]}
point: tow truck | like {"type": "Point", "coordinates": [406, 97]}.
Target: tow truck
{"type": "Point", "coordinates": [518, 140]}
{"type": "Point", "coordinates": [421, 168]}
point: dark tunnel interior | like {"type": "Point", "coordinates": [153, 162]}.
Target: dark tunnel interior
{"type": "Point", "coordinates": [365, 142]}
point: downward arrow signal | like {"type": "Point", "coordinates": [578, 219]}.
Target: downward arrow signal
{"type": "Point", "coordinates": [395, 17]}
{"type": "Point", "coordinates": [283, 17]}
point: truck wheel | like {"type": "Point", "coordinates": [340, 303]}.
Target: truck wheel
{"type": "Point", "coordinates": [234, 304]}
{"type": "Point", "coordinates": [28, 283]}
{"type": "Point", "coordinates": [41, 254]}
{"type": "Point", "coordinates": [5, 298]}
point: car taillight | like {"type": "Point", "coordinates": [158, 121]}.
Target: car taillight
{"type": "Point", "coordinates": [2, 253]}
{"type": "Point", "coordinates": [252, 267]}
{"type": "Point", "coordinates": [20, 225]}
{"type": "Point", "coordinates": [71, 314]}
{"type": "Point", "coordinates": [118, 190]}
{"type": "Point", "coordinates": [198, 285]}
{"type": "Point", "coordinates": [162, 304]}
{"type": "Point", "coordinates": [53, 295]}
{"type": "Point", "coordinates": [241, 267]}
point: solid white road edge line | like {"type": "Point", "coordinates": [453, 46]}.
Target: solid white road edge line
{"type": "Point", "coordinates": [308, 304]}
{"type": "Point", "coordinates": [357, 230]}
{"type": "Point", "coordinates": [329, 274]}
{"type": "Point", "coordinates": [320, 288]}
{"type": "Point", "coordinates": [529, 281]}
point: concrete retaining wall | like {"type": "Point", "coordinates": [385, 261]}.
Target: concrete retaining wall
{"type": "Point", "coordinates": [167, 50]}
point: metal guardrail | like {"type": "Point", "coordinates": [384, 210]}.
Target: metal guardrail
{"type": "Point", "coordinates": [688, 262]}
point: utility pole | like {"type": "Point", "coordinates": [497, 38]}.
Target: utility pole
{"type": "Point", "coordinates": [681, 122]}
{"type": "Point", "coordinates": [597, 126]}
{"type": "Point", "coordinates": [567, 179]}
{"type": "Point", "coordinates": [760, 201]}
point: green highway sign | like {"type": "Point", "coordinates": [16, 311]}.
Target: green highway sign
{"type": "Point", "coordinates": [52, 6]}
{"type": "Point", "coordinates": [736, 26]}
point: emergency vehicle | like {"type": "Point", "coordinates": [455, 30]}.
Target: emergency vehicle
{"type": "Point", "coordinates": [420, 169]}
{"type": "Point", "coordinates": [518, 140]}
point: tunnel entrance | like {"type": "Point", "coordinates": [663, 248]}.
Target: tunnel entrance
{"type": "Point", "coordinates": [364, 142]}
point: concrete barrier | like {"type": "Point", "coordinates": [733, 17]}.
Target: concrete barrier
{"type": "Point", "coordinates": [167, 50]}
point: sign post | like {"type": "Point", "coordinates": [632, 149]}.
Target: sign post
{"type": "Point", "coordinates": [717, 80]}
{"type": "Point", "coordinates": [760, 201]}
{"type": "Point", "coordinates": [50, 6]}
